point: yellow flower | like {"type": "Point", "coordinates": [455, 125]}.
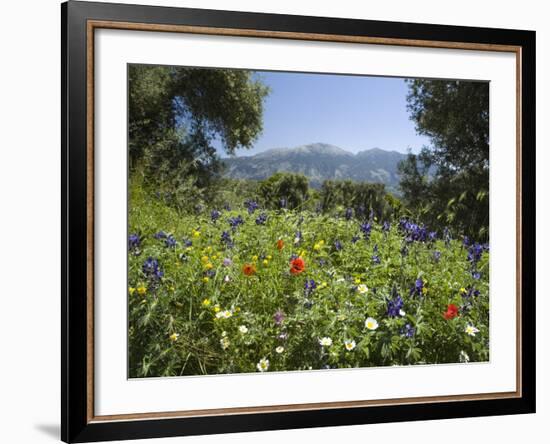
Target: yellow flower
{"type": "Point", "coordinates": [270, 257]}
{"type": "Point", "coordinates": [208, 266]}
{"type": "Point", "coordinates": [131, 290]}
{"type": "Point", "coordinates": [189, 249]}
{"type": "Point", "coordinates": [265, 262]}
{"type": "Point", "coordinates": [209, 249]}
{"type": "Point", "coordinates": [463, 290]}
{"type": "Point", "coordinates": [254, 258]}
{"type": "Point", "coordinates": [196, 233]}
{"type": "Point", "coordinates": [206, 302]}
{"type": "Point", "coordinates": [174, 337]}
{"type": "Point", "coordinates": [323, 285]}
{"type": "Point", "coordinates": [214, 257]}
{"type": "Point", "coordinates": [424, 290]}
{"type": "Point", "coordinates": [172, 288]}
{"type": "Point", "coordinates": [205, 279]}
{"type": "Point", "coordinates": [205, 259]}
{"type": "Point", "coordinates": [141, 290]}
{"type": "Point", "coordinates": [217, 308]}
{"type": "Point", "coordinates": [357, 280]}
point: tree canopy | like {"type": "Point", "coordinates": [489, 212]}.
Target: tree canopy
{"type": "Point", "coordinates": [448, 180]}
{"type": "Point", "coordinates": [177, 113]}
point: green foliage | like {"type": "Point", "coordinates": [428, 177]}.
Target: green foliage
{"type": "Point", "coordinates": [363, 197]}
{"type": "Point", "coordinates": [205, 316]}
{"type": "Point", "coordinates": [447, 183]}
{"type": "Point", "coordinates": [290, 187]}
{"type": "Point", "coordinates": [176, 114]}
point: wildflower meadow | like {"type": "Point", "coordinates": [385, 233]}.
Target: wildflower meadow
{"type": "Point", "coordinates": [246, 289]}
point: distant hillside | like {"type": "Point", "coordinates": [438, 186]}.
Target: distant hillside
{"type": "Point", "coordinates": [319, 162]}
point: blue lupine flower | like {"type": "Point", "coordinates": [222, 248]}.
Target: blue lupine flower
{"type": "Point", "coordinates": [375, 259]}
{"type": "Point", "coordinates": [170, 241]}
{"type": "Point", "coordinates": [160, 235]}
{"type": "Point", "coordinates": [215, 215]}
{"type": "Point", "coordinates": [133, 242]}
{"type": "Point", "coordinates": [395, 306]}
{"type": "Point", "coordinates": [227, 262]}
{"type": "Point", "coordinates": [437, 255]}
{"type": "Point", "coordinates": [226, 238]}
{"type": "Point", "coordinates": [210, 273]}
{"type": "Point", "coordinates": [282, 203]}
{"type": "Point", "coordinates": [251, 206]}
{"type": "Point", "coordinates": [261, 219]}
{"type": "Point", "coordinates": [293, 256]}
{"type": "Point", "coordinates": [414, 232]}
{"type": "Point", "coordinates": [465, 241]}
{"type": "Point", "coordinates": [476, 274]}
{"type": "Point", "coordinates": [386, 226]}
{"type": "Point", "coordinates": [469, 293]}
{"type": "Point", "coordinates": [187, 243]}
{"type": "Point", "coordinates": [298, 237]}
{"type": "Point", "coordinates": [322, 262]}
{"type": "Point", "coordinates": [349, 213]}
{"type": "Point", "coordinates": [151, 268]}
{"type": "Point", "coordinates": [366, 229]}
{"type": "Point", "coordinates": [432, 235]}
{"type": "Point", "coordinates": [337, 245]}
{"type": "Point", "coordinates": [227, 207]}
{"type": "Point", "coordinates": [354, 239]}
{"type": "Point", "coordinates": [418, 287]}
{"type": "Point", "coordinates": [360, 211]}
{"type": "Point", "coordinates": [236, 221]}
{"type": "Point", "coordinates": [309, 286]}
{"type": "Point", "coordinates": [474, 253]}
{"type": "Point", "coordinates": [408, 331]}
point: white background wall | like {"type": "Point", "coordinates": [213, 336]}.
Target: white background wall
{"type": "Point", "coordinates": [30, 221]}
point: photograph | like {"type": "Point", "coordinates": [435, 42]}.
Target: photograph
{"type": "Point", "coordinates": [303, 221]}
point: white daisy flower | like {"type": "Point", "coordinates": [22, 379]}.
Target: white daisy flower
{"type": "Point", "coordinates": [224, 342]}
{"type": "Point", "coordinates": [325, 342]}
{"type": "Point", "coordinates": [263, 365]}
{"type": "Point", "coordinates": [280, 349]}
{"type": "Point", "coordinates": [463, 357]}
{"type": "Point", "coordinates": [350, 345]}
{"type": "Point", "coordinates": [402, 313]}
{"type": "Point", "coordinates": [362, 288]}
{"type": "Point", "coordinates": [243, 329]}
{"type": "Point", "coordinates": [371, 324]}
{"type": "Point", "coordinates": [471, 330]}
{"type": "Point", "coordinates": [224, 314]}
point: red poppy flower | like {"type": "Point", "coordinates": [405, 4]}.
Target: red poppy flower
{"type": "Point", "coordinates": [297, 265]}
{"type": "Point", "coordinates": [280, 244]}
{"type": "Point", "coordinates": [452, 312]}
{"type": "Point", "coordinates": [249, 269]}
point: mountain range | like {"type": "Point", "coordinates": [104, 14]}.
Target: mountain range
{"type": "Point", "coordinates": [319, 162]}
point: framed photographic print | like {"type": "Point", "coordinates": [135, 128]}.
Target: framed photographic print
{"type": "Point", "coordinates": [275, 221]}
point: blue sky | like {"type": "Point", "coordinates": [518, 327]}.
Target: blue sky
{"type": "Point", "coordinates": [352, 112]}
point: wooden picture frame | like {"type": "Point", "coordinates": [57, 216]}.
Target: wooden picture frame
{"type": "Point", "coordinates": [79, 22]}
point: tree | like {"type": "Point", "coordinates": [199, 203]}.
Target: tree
{"type": "Point", "coordinates": [447, 183]}
{"type": "Point", "coordinates": [287, 190]}
{"type": "Point", "coordinates": [177, 113]}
